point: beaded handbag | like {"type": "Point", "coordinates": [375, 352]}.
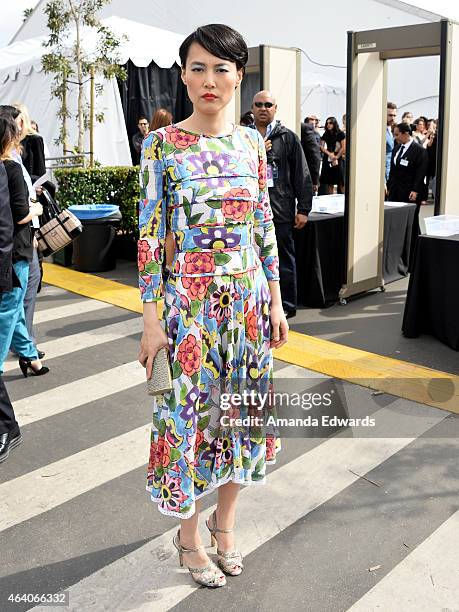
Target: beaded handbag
{"type": "Point", "coordinates": [161, 379]}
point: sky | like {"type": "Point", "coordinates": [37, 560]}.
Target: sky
{"type": "Point", "coordinates": [12, 14]}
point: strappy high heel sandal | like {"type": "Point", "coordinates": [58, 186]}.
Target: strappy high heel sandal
{"type": "Point", "coordinates": [209, 576]}
{"type": "Point", "coordinates": [230, 562]}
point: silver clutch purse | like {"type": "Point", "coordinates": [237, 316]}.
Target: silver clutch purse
{"type": "Point", "coordinates": [161, 379]}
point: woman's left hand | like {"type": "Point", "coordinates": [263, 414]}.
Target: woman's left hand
{"type": "Point", "coordinates": [279, 327]}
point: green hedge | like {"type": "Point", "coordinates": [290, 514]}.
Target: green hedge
{"type": "Point", "coordinates": [118, 184]}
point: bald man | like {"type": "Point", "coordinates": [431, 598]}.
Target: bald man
{"type": "Point", "coordinates": [290, 189]}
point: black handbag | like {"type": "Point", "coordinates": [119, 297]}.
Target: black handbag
{"type": "Point", "coordinates": [57, 228]}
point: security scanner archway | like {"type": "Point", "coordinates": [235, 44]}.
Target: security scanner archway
{"type": "Point", "coordinates": [277, 69]}
{"type": "Point", "coordinates": [367, 54]}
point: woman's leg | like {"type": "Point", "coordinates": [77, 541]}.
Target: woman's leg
{"type": "Point", "coordinates": [330, 189]}
{"type": "Point", "coordinates": [31, 293]}
{"type": "Point", "coordinates": [12, 320]}
{"type": "Point", "coordinates": [226, 514]}
{"type": "Point", "coordinates": [20, 341]}
{"type": "Point", "coordinates": [190, 538]}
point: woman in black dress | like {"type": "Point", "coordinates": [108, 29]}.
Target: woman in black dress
{"type": "Point", "coordinates": [332, 147]}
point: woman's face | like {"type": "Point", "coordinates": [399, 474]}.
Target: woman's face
{"type": "Point", "coordinates": [421, 127]}
{"type": "Point", "coordinates": [20, 123]}
{"type": "Point", "coordinates": [210, 80]}
{"type": "Point", "coordinates": [329, 125]}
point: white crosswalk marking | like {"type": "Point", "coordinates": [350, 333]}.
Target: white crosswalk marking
{"type": "Point", "coordinates": [78, 393]}
{"type": "Point", "coordinates": [427, 580]}
{"type": "Point", "coordinates": [87, 339]}
{"type": "Point", "coordinates": [318, 475]}
{"type": "Point", "coordinates": [49, 290]}
{"type": "Point", "coordinates": [85, 390]}
{"type": "Point", "coordinates": [69, 310]}
{"type": "Point", "coordinates": [58, 482]}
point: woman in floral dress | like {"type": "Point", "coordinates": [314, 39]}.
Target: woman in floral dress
{"type": "Point", "coordinates": [203, 184]}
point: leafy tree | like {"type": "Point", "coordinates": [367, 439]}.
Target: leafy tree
{"type": "Point", "coordinates": [26, 14]}
{"type": "Point", "coordinates": [73, 64]}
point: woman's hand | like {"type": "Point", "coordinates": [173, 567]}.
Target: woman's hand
{"type": "Point", "coordinates": [36, 209]}
{"type": "Point", "coordinates": [153, 339]}
{"type": "Point", "coordinates": [279, 327]}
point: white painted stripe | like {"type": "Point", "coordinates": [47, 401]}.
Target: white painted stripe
{"type": "Point", "coordinates": [79, 392]}
{"type": "Point", "coordinates": [52, 290]}
{"type": "Point", "coordinates": [427, 580]}
{"type": "Point", "coordinates": [265, 510]}
{"type": "Point", "coordinates": [54, 484]}
{"type": "Point", "coordinates": [85, 340]}
{"type": "Point", "coordinates": [69, 310]}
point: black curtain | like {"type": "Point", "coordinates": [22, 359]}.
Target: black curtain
{"type": "Point", "coordinates": [147, 89]}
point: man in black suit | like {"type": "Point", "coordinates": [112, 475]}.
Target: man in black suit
{"type": "Point", "coordinates": [311, 151]}
{"type": "Point", "coordinates": [10, 435]}
{"type": "Point", "coordinates": [408, 167]}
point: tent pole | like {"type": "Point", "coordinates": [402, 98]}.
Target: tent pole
{"type": "Point", "coordinates": [91, 119]}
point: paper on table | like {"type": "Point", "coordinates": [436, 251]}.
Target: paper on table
{"type": "Point", "coordinates": [396, 203]}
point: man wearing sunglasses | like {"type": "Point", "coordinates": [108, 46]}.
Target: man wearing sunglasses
{"type": "Point", "coordinates": [143, 129]}
{"type": "Point", "coordinates": [290, 189]}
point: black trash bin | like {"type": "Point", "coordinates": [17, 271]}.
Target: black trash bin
{"type": "Point", "coordinates": [93, 250]}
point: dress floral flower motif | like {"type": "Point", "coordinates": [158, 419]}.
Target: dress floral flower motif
{"type": "Point", "coordinates": [211, 193]}
{"type": "Point", "coordinates": [189, 355]}
{"type": "Point", "coordinates": [196, 286]}
{"type": "Point", "coordinates": [144, 254]}
{"type": "Point", "coordinates": [179, 138]}
{"type": "Point", "coordinates": [252, 324]}
{"type": "Point", "coordinates": [199, 263]}
{"type": "Point", "coordinates": [217, 238]}
{"type": "Point", "coordinates": [233, 206]}
{"type": "Point", "coordinates": [220, 303]}
{"type": "Point", "coordinates": [216, 165]}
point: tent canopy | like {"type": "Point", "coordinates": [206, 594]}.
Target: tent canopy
{"type": "Point", "coordinates": [23, 56]}
{"type": "Point", "coordinates": [23, 80]}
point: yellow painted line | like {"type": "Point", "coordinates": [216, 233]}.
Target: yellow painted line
{"type": "Point", "coordinates": [399, 378]}
{"type": "Point", "coordinates": [393, 376]}
{"type": "Point", "coordinates": [93, 287]}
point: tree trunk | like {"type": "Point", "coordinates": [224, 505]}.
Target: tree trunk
{"type": "Point", "coordinates": [78, 59]}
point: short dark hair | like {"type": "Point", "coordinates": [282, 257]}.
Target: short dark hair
{"type": "Point", "coordinates": [140, 117]}
{"type": "Point", "coordinates": [6, 110]}
{"type": "Point", "coordinates": [219, 40]}
{"type": "Point", "coordinates": [392, 105]}
{"type": "Point", "coordinates": [404, 128]}
{"type": "Point", "coordinates": [9, 132]}
{"type": "Point", "coordinates": [247, 118]}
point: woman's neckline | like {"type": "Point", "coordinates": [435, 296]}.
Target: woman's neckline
{"type": "Point", "coordinates": [182, 129]}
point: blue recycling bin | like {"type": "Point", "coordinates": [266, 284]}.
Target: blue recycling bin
{"type": "Point", "coordinates": [93, 250]}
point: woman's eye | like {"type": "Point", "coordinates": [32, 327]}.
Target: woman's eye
{"type": "Point", "coordinates": [196, 69]}
{"type": "Point", "coordinates": [222, 70]}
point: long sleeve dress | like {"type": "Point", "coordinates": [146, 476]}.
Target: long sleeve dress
{"type": "Point", "coordinates": [211, 193]}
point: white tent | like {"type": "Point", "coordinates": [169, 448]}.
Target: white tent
{"type": "Point", "coordinates": [22, 80]}
{"type": "Point", "coordinates": [318, 28]}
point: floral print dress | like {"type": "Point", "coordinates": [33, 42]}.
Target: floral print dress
{"type": "Point", "coordinates": [211, 194]}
